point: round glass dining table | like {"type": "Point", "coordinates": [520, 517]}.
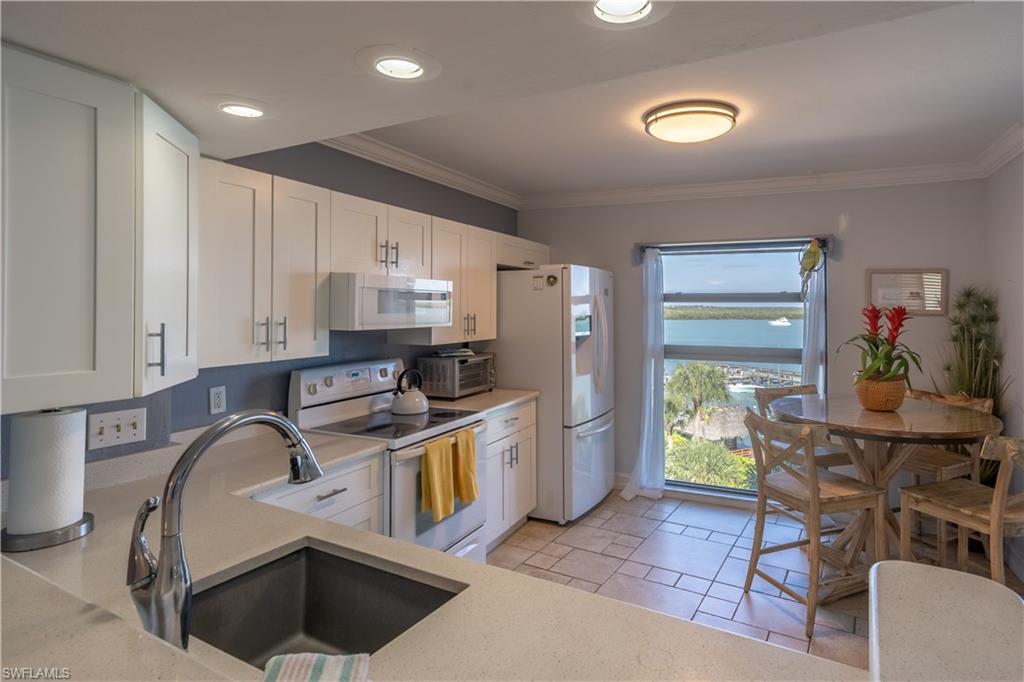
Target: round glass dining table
{"type": "Point", "coordinates": [879, 443]}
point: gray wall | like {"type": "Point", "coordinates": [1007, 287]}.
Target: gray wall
{"type": "Point", "coordinates": [266, 385]}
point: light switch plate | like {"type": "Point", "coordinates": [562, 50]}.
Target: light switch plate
{"type": "Point", "coordinates": [116, 428]}
{"type": "Point", "coordinates": [218, 399]}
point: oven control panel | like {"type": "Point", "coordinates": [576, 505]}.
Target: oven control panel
{"type": "Point", "coordinates": [331, 383]}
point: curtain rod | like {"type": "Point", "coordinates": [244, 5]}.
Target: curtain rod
{"type": "Point", "coordinates": [748, 243]}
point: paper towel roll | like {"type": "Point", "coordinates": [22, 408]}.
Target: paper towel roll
{"type": "Point", "coordinates": [47, 470]}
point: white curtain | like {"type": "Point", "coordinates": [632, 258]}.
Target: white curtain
{"type": "Point", "coordinates": [648, 477]}
{"type": "Point", "coordinates": [812, 369]}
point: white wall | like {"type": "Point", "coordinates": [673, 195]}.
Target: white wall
{"type": "Point", "coordinates": [932, 225]}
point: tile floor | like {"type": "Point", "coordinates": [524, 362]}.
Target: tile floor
{"type": "Point", "coordinates": [689, 559]}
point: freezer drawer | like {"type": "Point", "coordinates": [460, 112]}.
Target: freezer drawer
{"type": "Point", "coordinates": [589, 464]}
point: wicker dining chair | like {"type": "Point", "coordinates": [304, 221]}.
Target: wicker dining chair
{"type": "Point", "coordinates": [781, 453]}
{"type": "Point", "coordinates": [971, 506]}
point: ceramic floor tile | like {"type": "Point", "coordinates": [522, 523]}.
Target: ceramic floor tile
{"type": "Point", "coordinates": [631, 525]}
{"type": "Point", "coordinates": [860, 628]}
{"type": "Point", "coordinates": [741, 553]}
{"type": "Point", "coordinates": [783, 520]}
{"type": "Point", "coordinates": [788, 642]}
{"type": "Point", "coordinates": [717, 607]}
{"type": "Point", "coordinates": [731, 626]}
{"type": "Point", "coordinates": [542, 529]}
{"type": "Point", "coordinates": [674, 528]}
{"type": "Point", "coordinates": [584, 585]}
{"type": "Point", "coordinates": [734, 572]}
{"type": "Point", "coordinates": [618, 551]}
{"type": "Point", "coordinates": [601, 513]}
{"type": "Point", "coordinates": [796, 579]}
{"type": "Point", "coordinates": [854, 605]}
{"type": "Point", "coordinates": [530, 542]}
{"type": "Point", "coordinates": [840, 646]}
{"type": "Point", "coordinates": [774, 534]}
{"type": "Point", "coordinates": [542, 574]}
{"type": "Point", "coordinates": [745, 543]}
{"type": "Point", "coordinates": [656, 515]}
{"type": "Point", "coordinates": [633, 569]}
{"type": "Point", "coordinates": [660, 575]}
{"type": "Point", "coordinates": [541, 560]}
{"type": "Point", "coordinates": [584, 537]}
{"type": "Point", "coordinates": [678, 603]}
{"type": "Point", "coordinates": [591, 521]}
{"type": "Point", "coordinates": [692, 583]}
{"type": "Point", "coordinates": [636, 507]}
{"type": "Point", "coordinates": [726, 592]}
{"type": "Point", "coordinates": [556, 549]}
{"type": "Point", "coordinates": [793, 559]}
{"type": "Point", "coordinates": [723, 538]}
{"type": "Point", "coordinates": [711, 517]}
{"type": "Point", "coordinates": [665, 506]}
{"type": "Point", "coordinates": [508, 556]}
{"type": "Point", "coordinates": [585, 565]}
{"type": "Point", "coordinates": [786, 617]}
{"type": "Point", "coordinates": [681, 554]}
{"type": "Point", "coordinates": [698, 533]}
{"type": "Point", "coordinates": [627, 540]}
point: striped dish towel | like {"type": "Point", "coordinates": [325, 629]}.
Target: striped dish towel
{"type": "Point", "coordinates": [317, 668]}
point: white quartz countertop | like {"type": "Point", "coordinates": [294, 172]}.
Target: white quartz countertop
{"type": "Point", "coordinates": [503, 626]}
{"type": "Point", "coordinates": [491, 400]}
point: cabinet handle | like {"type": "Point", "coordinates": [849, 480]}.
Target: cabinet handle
{"type": "Point", "coordinates": [385, 248]}
{"type": "Point", "coordinates": [325, 496]}
{"type": "Point", "coordinates": [510, 462]}
{"type": "Point", "coordinates": [266, 332]}
{"type": "Point", "coordinates": [515, 449]}
{"type": "Point", "coordinates": [395, 249]}
{"type": "Point", "coordinates": [528, 262]}
{"type": "Point", "coordinates": [465, 325]}
{"type": "Point", "coordinates": [473, 331]}
{"type": "Point", "coordinates": [284, 333]}
{"type": "Point", "coordinates": [511, 420]}
{"type": "Point", "coordinates": [162, 335]}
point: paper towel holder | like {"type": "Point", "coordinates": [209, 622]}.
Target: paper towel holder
{"type": "Point", "coordinates": [11, 542]}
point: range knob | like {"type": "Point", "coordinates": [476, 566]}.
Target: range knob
{"type": "Point", "coordinates": [311, 389]}
{"type": "Point", "coordinates": [328, 381]}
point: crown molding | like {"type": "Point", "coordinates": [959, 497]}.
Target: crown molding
{"type": "Point", "coordinates": [385, 154]}
{"type": "Point", "coordinates": [1002, 150]}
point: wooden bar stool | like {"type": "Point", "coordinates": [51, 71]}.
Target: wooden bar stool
{"type": "Point", "coordinates": [828, 455]}
{"type": "Point", "coordinates": [993, 512]}
{"type": "Point", "coordinates": [781, 453]}
{"type": "Point", "coordinates": [942, 464]}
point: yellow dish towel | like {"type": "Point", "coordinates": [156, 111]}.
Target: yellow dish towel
{"type": "Point", "coordinates": [436, 481]}
{"type": "Point", "coordinates": [465, 466]}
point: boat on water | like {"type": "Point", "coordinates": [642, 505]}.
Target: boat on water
{"type": "Point", "coordinates": [781, 322]}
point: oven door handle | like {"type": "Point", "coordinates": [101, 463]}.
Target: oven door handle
{"type": "Point", "coordinates": [399, 456]}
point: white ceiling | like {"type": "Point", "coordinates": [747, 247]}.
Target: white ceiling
{"type": "Point", "coordinates": [933, 88]}
{"type": "Point", "coordinates": [299, 58]}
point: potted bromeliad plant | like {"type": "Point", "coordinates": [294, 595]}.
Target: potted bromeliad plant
{"type": "Point", "coordinates": [885, 361]}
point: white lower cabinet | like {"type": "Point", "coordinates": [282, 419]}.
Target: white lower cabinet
{"type": "Point", "coordinates": [511, 485]}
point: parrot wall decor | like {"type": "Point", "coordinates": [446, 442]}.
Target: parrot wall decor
{"type": "Point", "coordinates": [812, 259]}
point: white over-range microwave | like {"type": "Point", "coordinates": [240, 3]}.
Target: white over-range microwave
{"type": "Point", "coordinates": [364, 301]}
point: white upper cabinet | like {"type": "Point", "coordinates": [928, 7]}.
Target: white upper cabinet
{"type": "Point", "coordinates": [167, 238]}
{"type": "Point", "coordinates": [519, 253]}
{"type": "Point", "coordinates": [68, 197]}
{"type": "Point", "coordinates": [359, 229]}
{"type": "Point", "coordinates": [480, 284]}
{"type": "Point", "coordinates": [374, 238]}
{"type": "Point", "coordinates": [302, 260]}
{"type": "Point", "coordinates": [234, 260]}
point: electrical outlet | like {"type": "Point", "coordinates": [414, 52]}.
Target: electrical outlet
{"type": "Point", "coordinates": [218, 399]}
{"type": "Point", "coordinates": [117, 428]}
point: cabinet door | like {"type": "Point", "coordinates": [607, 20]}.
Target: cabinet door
{"type": "Point", "coordinates": [359, 229]}
{"type": "Point", "coordinates": [409, 242]}
{"type": "Point", "coordinates": [167, 254]}
{"type": "Point", "coordinates": [479, 283]}
{"type": "Point", "coordinates": [301, 258]}
{"type": "Point", "coordinates": [447, 262]}
{"type": "Point", "coordinates": [523, 484]}
{"type": "Point", "coordinates": [234, 259]}
{"type": "Point", "coordinates": [67, 235]}
{"type": "Point", "coordinates": [495, 489]}
{"type": "Point", "coordinates": [367, 516]}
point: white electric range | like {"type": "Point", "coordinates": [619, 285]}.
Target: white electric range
{"type": "Point", "coordinates": [354, 399]}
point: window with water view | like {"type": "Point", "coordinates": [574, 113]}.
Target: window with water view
{"type": "Point", "coordinates": [733, 322]}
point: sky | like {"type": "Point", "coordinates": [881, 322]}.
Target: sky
{"type": "Point", "coordinates": [732, 273]}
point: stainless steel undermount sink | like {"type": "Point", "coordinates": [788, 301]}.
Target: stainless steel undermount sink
{"type": "Point", "coordinates": [312, 601]}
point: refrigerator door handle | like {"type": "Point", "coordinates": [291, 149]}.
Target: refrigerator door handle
{"type": "Point", "coordinates": [602, 359]}
{"type": "Point", "coordinates": [593, 432]}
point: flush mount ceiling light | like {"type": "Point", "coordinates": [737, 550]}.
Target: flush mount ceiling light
{"type": "Point", "coordinates": [398, 67]}
{"type": "Point", "coordinates": [690, 121]}
{"type": "Point", "coordinates": [240, 109]}
{"type": "Point", "coordinates": [621, 11]}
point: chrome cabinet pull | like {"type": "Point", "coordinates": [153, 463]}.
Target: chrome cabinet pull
{"type": "Point", "coordinates": [528, 262]}
{"type": "Point", "coordinates": [395, 249]}
{"type": "Point", "coordinates": [325, 496]}
{"type": "Point", "coordinates": [385, 248]}
{"type": "Point", "coordinates": [515, 449]}
{"type": "Point", "coordinates": [473, 331]}
{"type": "Point", "coordinates": [511, 420]}
{"type": "Point", "coordinates": [465, 325]}
{"type": "Point", "coordinates": [162, 335]}
{"type": "Point", "coordinates": [266, 332]}
{"type": "Point", "coordinates": [284, 333]}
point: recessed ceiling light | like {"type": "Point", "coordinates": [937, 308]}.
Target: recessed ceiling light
{"type": "Point", "coordinates": [239, 109]}
{"type": "Point", "coordinates": [399, 67]}
{"type": "Point", "coordinates": [621, 11]}
{"type": "Point", "coordinates": [690, 121]}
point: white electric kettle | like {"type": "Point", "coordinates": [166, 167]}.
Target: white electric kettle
{"type": "Point", "coordinates": [409, 400]}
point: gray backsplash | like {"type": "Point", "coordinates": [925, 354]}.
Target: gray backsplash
{"type": "Point", "coordinates": [266, 384]}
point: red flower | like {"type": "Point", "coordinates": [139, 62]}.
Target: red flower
{"type": "Point", "coordinates": [872, 319]}
{"type": "Point", "coordinates": [895, 319]}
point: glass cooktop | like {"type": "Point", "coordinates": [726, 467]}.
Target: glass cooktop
{"type": "Point", "coordinates": [393, 427]}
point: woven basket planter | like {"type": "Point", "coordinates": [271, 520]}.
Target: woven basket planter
{"type": "Point", "coordinates": [881, 395]}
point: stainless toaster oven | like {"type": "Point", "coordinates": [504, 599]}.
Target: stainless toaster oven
{"type": "Point", "coordinates": [457, 377]}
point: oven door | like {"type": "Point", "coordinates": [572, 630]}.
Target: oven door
{"type": "Point", "coordinates": [412, 525]}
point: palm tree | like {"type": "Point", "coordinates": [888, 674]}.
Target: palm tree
{"type": "Point", "coordinates": [689, 390]}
